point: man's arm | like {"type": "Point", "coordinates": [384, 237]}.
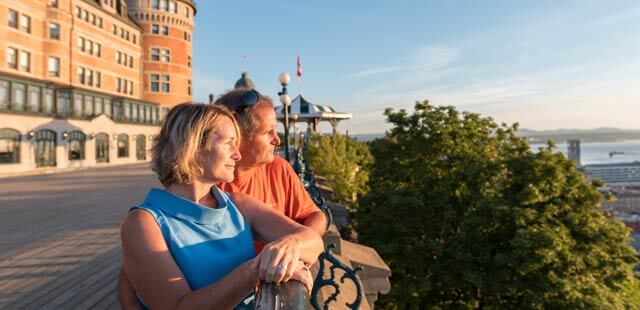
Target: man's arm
{"type": "Point", "coordinates": [316, 221]}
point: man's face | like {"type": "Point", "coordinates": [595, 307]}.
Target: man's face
{"type": "Point", "coordinates": [259, 147]}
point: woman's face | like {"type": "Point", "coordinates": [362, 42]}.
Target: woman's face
{"type": "Point", "coordinates": [220, 154]}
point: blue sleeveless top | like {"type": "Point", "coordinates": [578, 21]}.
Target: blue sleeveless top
{"type": "Point", "coordinates": [206, 243]}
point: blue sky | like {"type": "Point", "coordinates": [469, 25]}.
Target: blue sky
{"type": "Point", "coordinates": [544, 64]}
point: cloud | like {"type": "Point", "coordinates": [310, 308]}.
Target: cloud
{"type": "Point", "coordinates": [373, 71]}
{"type": "Point", "coordinates": [426, 58]}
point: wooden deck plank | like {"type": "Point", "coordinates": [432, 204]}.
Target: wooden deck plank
{"type": "Point", "coordinates": [66, 254]}
{"type": "Point", "coordinates": [66, 282]}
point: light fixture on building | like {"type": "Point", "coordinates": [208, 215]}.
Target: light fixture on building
{"type": "Point", "coordinates": [115, 136]}
{"type": "Point", "coordinates": [151, 137]}
{"type": "Point", "coordinates": [31, 134]}
{"type": "Point", "coordinates": [284, 78]}
{"type": "Point", "coordinates": [65, 135]}
{"type": "Point", "coordinates": [91, 136]}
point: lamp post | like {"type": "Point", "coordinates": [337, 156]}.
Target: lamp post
{"type": "Point", "coordinates": [285, 100]}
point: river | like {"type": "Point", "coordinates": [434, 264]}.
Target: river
{"type": "Point", "coordinates": [598, 152]}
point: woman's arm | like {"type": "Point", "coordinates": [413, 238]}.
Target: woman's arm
{"type": "Point", "coordinates": [289, 241]}
{"type": "Point", "coordinates": [158, 280]}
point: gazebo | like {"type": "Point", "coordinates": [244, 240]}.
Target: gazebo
{"type": "Point", "coordinates": [304, 111]}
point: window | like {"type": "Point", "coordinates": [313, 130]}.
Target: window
{"type": "Point", "coordinates": [12, 18]}
{"type": "Point", "coordinates": [47, 106]}
{"type": "Point", "coordinates": [45, 148]}
{"type": "Point", "coordinates": [92, 18]}
{"type": "Point", "coordinates": [141, 152]}
{"type": "Point", "coordinates": [174, 7]}
{"type": "Point", "coordinates": [189, 61]}
{"type": "Point", "coordinates": [54, 66]}
{"type": "Point", "coordinates": [9, 146]}
{"type": "Point", "coordinates": [118, 56]}
{"type": "Point", "coordinates": [54, 31]}
{"type": "Point", "coordinates": [166, 55]}
{"type": "Point", "coordinates": [98, 105]}
{"type": "Point", "coordinates": [81, 43]}
{"type": "Point", "coordinates": [88, 77]}
{"type": "Point", "coordinates": [25, 23]}
{"type": "Point", "coordinates": [186, 11]}
{"type": "Point", "coordinates": [63, 104]}
{"type": "Point", "coordinates": [134, 39]}
{"type": "Point", "coordinates": [189, 88]}
{"type": "Point", "coordinates": [130, 87]}
{"type": "Point", "coordinates": [12, 60]}
{"type": "Point", "coordinates": [34, 99]}
{"type": "Point", "coordinates": [155, 4]}
{"type": "Point", "coordinates": [165, 30]}
{"type": "Point", "coordinates": [164, 5]}
{"type": "Point", "coordinates": [89, 47]}
{"type": "Point", "coordinates": [53, 3]}
{"type": "Point", "coordinates": [76, 145]}
{"type": "Point", "coordinates": [97, 49]}
{"type": "Point", "coordinates": [4, 95]}
{"type": "Point", "coordinates": [119, 85]}
{"type": "Point", "coordinates": [78, 12]}
{"type": "Point", "coordinates": [155, 29]}
{"type": "Point", "coordinates": [85, 15]}
{"type": "Point", "coordinates": [165, 84]}
{"type": "Point", "coordinates": [107, 107]}
{"type": "Point", "coordinates": [155, 54]}
{"type": "Point", "coordinates": [100, 22]}
{"type": "Point", "coordinates": [130, 61]}
{"type": "Point", "coordinates": [88, 105]}
{"type": "Point", "coordinates": [77, 105]}
{"type": "Point", "coordinates": [98, 79]}
{"type": "Point", "coordinates": [25, 61]}
{"type": "Point", "coordinates": [81, 75]}
{"type": "Point", "coordinates": [19, 96]}
{"type": "Point", "coordinates": [123, 145]}
{"type": "Point", "coordinates": [127, 111]}
{"type": "Point", "coordinates": [155, 83]}
{"type": "Point", "coordinates": [114, 28]}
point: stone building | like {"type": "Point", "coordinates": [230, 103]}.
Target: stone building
{"type": "Point", "coordinates": [85, 82]}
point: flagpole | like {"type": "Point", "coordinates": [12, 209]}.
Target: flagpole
{"type": "Point", "coordinates": [299, 73]}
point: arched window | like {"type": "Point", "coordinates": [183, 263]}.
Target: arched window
{"type": "Point", "coordinates": [141, 151]}
{"type": "Point", "coordinates": [9, 146]}
{"type": "Point", "coordinates": [76, 145]}
{"type": "Point", "coordinates": [102, 148]}
{"type": "Point", "coordinates": [123, 145]}
{"type": "Point", "coordinates": [45, 148]}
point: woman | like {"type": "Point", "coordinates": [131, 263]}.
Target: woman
{"type": "Point", "coordinates": [190, 245]}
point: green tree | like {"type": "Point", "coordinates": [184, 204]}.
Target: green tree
{"type": "Point", "coordinates": [343, 161]}
{"type": "Point", "coordinates": [467, 216]}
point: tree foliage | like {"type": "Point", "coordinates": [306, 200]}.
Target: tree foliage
{"type": "Point", "coordinates": [343, 161]}
{"type": "Point", "coordinates": [467, 216]}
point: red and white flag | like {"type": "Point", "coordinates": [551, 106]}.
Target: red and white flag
{"type": "Point", "coordinates": [299, 63]}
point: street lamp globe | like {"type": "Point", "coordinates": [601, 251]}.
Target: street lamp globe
{"type": "Point", "coordinates": [294, 116]}
{"type": "Point", "coordinates": [284, 78]}
{"type": "Point", "coordinates": [285, 99]}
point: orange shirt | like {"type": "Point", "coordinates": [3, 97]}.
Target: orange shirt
{"type": "Point", "coordinates": [277, 185]}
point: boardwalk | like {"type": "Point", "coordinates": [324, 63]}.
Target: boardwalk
{"type": "Point", "coordinates": [60, 245]}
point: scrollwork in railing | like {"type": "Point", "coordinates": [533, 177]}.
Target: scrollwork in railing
{"type": "Point", "coordinates": [317, 198]}
{"type": "Point", "coordinates": [320, 281]}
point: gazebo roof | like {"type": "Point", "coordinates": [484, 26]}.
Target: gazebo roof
{"type": "Point", "coordinates": [306, 110]}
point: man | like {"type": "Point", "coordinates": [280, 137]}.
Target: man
{"type": "Point", "coordinates": [259, 173]}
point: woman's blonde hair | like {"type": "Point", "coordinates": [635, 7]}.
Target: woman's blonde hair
{"type": "Point", "coordinates": [185, 131]}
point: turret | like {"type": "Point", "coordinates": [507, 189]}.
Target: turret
{"type": "Point", "coordinates": [167, 28]}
